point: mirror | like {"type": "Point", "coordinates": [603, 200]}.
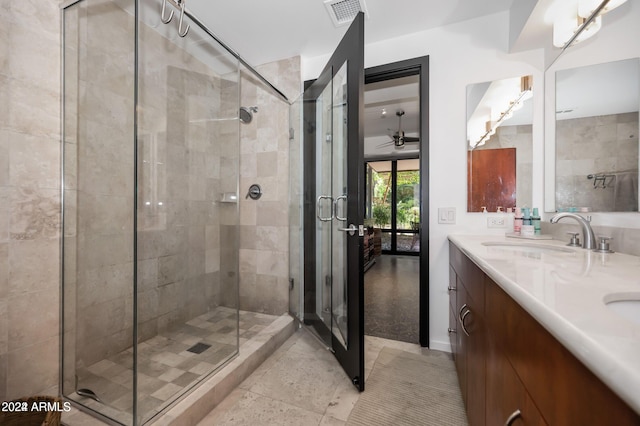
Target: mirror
{"type": "Point", "coordinates": [597, 137]}
{"type": "Point", "coordinates": [499, 144]}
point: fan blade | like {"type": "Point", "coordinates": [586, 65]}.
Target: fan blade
{"type": "Point", "coordinates": [385, 144]}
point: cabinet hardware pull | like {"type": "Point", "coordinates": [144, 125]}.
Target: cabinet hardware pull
{"type": "Point", "coordinates": [449, 288]}
{"type": "Point", "coordinates": [512, 417]}
{"type": "Point", "coordinates": [464, 329]}
{"type": "Point", "coordinates": [451, 330]}
{"type": "Point", "coordinates": [462, 308]}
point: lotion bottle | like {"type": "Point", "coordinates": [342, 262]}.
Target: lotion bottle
{"type": "Point", "coordinates": [526, 219]}
{"type": "Point", "coordinates": [535, 221]}
{"type": "Point", "coordinates": [517, 221]}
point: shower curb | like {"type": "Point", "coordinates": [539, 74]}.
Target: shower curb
{"type": "Point", "coordinates": [195, 406]}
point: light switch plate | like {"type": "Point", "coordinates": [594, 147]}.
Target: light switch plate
{"type": "Point", "coordinates": [447, 215]}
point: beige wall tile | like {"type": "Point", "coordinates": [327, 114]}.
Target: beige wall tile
{"type": "Point", "coordinates": [5, 212]}
{"type": "Point", "coordinates": [4, 327]}
{"type": "Point", "coordinates": [41, 66]}
{"type": "Point", "coordinates": [272, 263]}
{"type": "Point", "coordinates": [32, 318]}
{"type": "Point", "coordinates": [33, 369]}
{"type": "Point", "coordinates": [35, 213]}
{"type": "Point", "coordinates": [593, 145]}
{"type": "Point", "coordinates": [4, 155]}
{"type": "Point", "coordinates": [4, 271]}
{"type": "Point", "coordinates": [272, 213]}
{"type": "Point", "coordinates": [33, 266]}
{"type": "Point", "coordinates": [3, 376]}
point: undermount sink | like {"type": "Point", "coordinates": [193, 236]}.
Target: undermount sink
{"type": "Point", "coordinates": [626, 305]}
{"type": "Point", "coordinates": [528, 247]}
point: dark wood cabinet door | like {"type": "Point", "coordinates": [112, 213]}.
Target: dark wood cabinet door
{"type": "Point", "coordinates": [476, 353]}
{"type": "Point", "coordinates": [506, 396]}
{"type": "Point", "coordinates": [453, 303]}
{"type": "Point", "coordinates": [461, 343]}
{"type": "Point", "coordinates": [491, 179]}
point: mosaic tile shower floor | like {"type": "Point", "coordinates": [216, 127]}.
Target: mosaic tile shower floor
{"type": "Point", "coordinates": [166, 367]}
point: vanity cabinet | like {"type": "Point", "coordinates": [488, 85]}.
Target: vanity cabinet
{"type": "Point", "coordinates": [524, 375]}
{"type": "Point", "coordinates": [468, 336]}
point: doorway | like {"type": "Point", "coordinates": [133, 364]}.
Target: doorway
{"type": "Point", "coordinates": [397, 193]}
{"type": "Point", "coordinates": [326, 286]}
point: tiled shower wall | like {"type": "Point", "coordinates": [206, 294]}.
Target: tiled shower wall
{"type": "Point", "coordinates": [29, 197]}
{"type": "Point", "coordinates": [188, 156]}
{"type": "Point", "coordinates": [593, 145]}
{"type": "Point", "coordinates": [190, 153]}
{"type": "Point", "coordinates": [264, 145]}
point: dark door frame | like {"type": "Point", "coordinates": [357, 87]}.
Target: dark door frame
{"type": "Point", "coordinates": [416, 66]}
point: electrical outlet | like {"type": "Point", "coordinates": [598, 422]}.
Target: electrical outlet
{"type": "Point", "coordinates": [496, 222]}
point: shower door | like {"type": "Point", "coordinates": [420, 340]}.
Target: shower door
{"type": "Point", "coordinates": [150, 249]}
{"type": "Point", "coordinates": [334, 185]}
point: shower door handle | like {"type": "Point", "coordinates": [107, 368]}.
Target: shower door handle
{"type": "Point", "coordinates": [335, 207]}
{"type": "Point", "coordinates": [319, 208]}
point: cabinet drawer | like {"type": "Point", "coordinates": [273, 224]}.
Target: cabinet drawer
{"type": "Point", "coordinates": [471, 276]}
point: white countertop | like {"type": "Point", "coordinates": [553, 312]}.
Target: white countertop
{"type": "Point", "coordinates": [564, 292]}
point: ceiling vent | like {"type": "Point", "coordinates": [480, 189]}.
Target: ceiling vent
{"type": "Point", "coordinates": [342, 12]}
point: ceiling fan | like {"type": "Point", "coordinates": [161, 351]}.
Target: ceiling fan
{"type": "Point", "coordinates": [398, 139]}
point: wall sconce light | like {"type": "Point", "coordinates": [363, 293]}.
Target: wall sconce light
{"type": "Point", "coordinates": [565, 29]}
{"type": "Point", "coordinates": [526, 85]}
{"type": "Point", "coordinates": [587, 7]}
{"type": "Point", "coordinates": [582, 24]}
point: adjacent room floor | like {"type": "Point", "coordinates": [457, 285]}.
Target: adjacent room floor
{"type": "Point", "coordinates": [303, 384]}
{"type": "Point", "coordinates": [391, 298]}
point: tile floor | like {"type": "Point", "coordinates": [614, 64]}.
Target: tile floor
{"type": "Point", "coordinates": [300, 384]}
{"type": "Point", "coordinates": [166, 367]}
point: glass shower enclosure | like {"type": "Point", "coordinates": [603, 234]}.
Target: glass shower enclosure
{"type": "Point", "coordinates": [151, 147]}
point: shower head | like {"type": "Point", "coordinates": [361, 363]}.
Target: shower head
{"type": "Point", "coordinates": [246, 114]}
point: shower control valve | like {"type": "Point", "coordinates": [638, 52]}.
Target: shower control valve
{"type": "Point", "coordinates": [255, 192]}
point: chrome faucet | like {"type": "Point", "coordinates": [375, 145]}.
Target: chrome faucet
{"type": "Point", "coordinates": [588, 237]}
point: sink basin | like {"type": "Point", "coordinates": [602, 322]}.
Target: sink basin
{"type": "Point", "coordinates": [626, 305]}
{"type": "Point", "coordinates": [528, 247]}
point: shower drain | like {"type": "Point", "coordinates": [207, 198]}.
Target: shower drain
{"type": "Point", "coordinates": [198, 348]}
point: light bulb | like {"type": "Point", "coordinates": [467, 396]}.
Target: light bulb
{"type": "Point", "coordinates": [564, 29]}
{"type": "Point", "coordinates": [587, 7]}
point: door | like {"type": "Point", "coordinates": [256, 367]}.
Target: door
{"type": "Point", "coordinates": [334, 207]}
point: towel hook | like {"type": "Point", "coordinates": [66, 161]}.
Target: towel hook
{"type": "Point", "coordinates": [164, 9]}
{"type": "Point", "coordinates": [182, 32]}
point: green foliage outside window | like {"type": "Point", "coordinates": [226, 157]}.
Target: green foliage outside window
{"type": "Point", "coordinates": [408, 209]}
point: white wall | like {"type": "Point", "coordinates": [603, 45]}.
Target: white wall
{"type": "Point", "coordinates": [468, 52]}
